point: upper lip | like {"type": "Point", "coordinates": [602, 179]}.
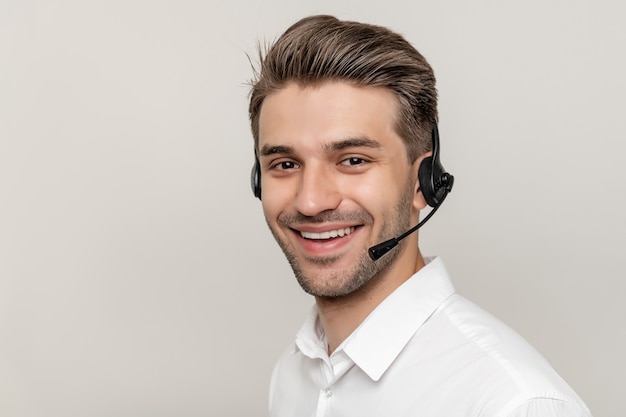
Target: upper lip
{"type": "Point", "coordinates": [320, 228]}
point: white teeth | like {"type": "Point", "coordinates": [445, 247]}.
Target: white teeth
{"type": "Point", "coordinates": [328, 234]}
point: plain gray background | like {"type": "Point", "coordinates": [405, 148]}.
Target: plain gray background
{"type": "Point", "coordinates": [137, 276]}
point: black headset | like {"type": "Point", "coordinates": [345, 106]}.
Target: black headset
{"type": "Point", "coordinates": [255, 177]}
{"type": "Point", "coordinates": [435, 182]}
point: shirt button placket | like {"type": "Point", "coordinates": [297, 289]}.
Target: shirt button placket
{"type": "Point", "coordinates": [323, 402]}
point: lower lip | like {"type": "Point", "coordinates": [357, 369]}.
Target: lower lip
{"type": "Point", "coordinates": [325, 247]}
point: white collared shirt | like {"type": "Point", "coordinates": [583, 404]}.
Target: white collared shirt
{"type": "Point", "coordinates": [424, 351]}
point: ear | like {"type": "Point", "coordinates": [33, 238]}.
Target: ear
{"type": "Point", "coordinates": [419, 202]}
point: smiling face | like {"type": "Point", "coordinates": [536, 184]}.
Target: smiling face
{"type": "Point", "coordinates": [336, 180]}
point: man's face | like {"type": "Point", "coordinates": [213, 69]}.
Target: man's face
{"type": "Point", "coordinates": [336, 180]}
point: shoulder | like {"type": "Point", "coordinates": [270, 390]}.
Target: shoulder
{"type": "Point", "coordinates": [494, 367]}
{"type": "Point", "coordinates": [550, 407]}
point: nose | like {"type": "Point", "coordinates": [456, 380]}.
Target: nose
{"type": "Point", "coordinates": [318, 190]}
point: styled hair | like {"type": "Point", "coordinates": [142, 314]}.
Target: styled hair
{"type": "Point", "coordinates": [322, 48]}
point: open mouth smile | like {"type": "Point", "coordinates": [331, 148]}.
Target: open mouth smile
{"type": "Point", "coordinates": [328, 234]}
{"type": "Point", "coordinates": [324, 241]}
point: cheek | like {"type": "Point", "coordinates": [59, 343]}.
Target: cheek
{"type": "Point", "coordinates": [270, 210]}
{"type": "Point", "coordinates": [274, 200]}
{"type": "Point", "coordinates": [378, 195]}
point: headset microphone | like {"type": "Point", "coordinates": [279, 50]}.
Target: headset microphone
{"type": "Point", "coordinates": [435, 184]}
{"type": "Point", "coordinates": [376, 252]}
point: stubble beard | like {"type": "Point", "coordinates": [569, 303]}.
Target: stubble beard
{"type": "Point", "coordinates": [340, 283]}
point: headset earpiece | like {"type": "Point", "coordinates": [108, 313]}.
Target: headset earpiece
{"type": "Point", "coordinates": [435, 182]}
{"type": "Point", "coordinates": [425, 179]}
{"type": "Point", "coordinates": [255, 178]}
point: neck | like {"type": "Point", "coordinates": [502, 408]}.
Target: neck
{"type": "Point", "coordinates": [340, 316]}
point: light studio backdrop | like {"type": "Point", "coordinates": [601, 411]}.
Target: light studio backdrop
{"type": "Point", "coordinates": [137, 276]}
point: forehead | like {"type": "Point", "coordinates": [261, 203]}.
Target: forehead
{"type": "Point", "coordinates": [308, 115]}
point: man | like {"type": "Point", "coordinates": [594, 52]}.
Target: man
{"type": "Point", "coordinates": [344, 117]}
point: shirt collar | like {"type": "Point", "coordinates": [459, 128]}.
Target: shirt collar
{"type": "Point", "coordinates": [311, 340]}
{"type": "Point", "coordinates": [376, 343]}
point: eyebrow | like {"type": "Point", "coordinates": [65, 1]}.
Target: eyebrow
{"type": "Point", "coordinates": [277, 149]}
{"type": "Point", "coordinates": [357, 142]}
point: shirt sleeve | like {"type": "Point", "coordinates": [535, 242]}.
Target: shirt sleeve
{"type": "Point", "coordinates": [550, 407]}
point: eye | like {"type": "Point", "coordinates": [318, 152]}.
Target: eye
{"type": "Point", "coordinates": [353, 161]}
{"type": "Point", "coordinates": [284, 165]}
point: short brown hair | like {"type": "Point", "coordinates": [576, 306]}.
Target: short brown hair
{"type": "Point", "coordinates": [323, 48]}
